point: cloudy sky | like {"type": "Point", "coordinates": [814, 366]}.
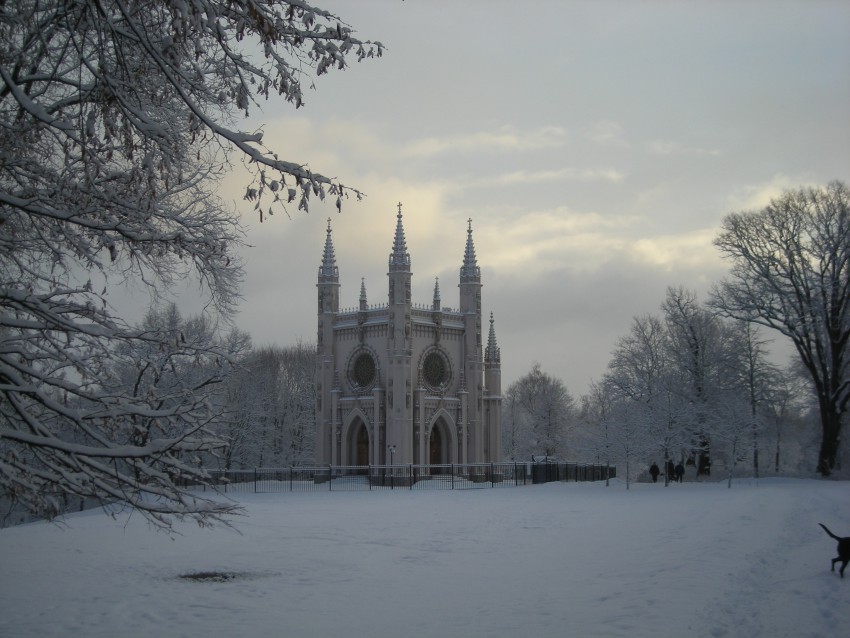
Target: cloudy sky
{"type": "Point", "coordinates": [595, 145]}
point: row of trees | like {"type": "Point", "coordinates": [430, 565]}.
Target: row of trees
{"type": "Point", "coordinates": [690, 387]}
{"type": "Point", "coordinates": [695, 383]}
{"type": "Point", "coordinates": [270, 404]}
{"type": "Point", "coordinates": [261, 400]}
{"type": "Point", "coordinates": [685, 385]}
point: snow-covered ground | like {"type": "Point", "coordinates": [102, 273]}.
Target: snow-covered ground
{"type": "Point", "coordinates": [538, 561]}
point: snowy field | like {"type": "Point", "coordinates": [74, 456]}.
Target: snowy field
{"type": "Point", "coordinates": [538, 561]}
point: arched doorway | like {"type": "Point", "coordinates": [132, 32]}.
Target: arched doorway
{"type": "Point", "coordinates": [440, 450]}
{"type": "Point", "coordinates": [435, 447]}
{"type": "Point", "coordinates": [359, 448]}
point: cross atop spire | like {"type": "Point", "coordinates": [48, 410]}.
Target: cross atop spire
{"type": "Point", "coordinates": [399, 258]}
{"type": "Point", "coordinates": [328, 269]}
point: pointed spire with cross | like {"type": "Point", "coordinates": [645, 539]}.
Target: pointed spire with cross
{"type": "Point", "coordinates": [328, 269]}
{"type": "Point", "coordinates": [470, 270]}
{"type": "Point", "coordinates": [492, 354]}
{"type": "Point", "coordinates": [399, 258]}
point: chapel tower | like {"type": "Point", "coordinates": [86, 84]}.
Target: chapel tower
{"type": "Point", "coordinates": [405, 383]}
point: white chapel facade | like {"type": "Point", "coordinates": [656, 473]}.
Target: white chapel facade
{"type": "Point", "coordinates": [403, 383]}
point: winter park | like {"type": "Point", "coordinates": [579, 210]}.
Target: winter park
{"type": "Point", "coordinates": [696, 559]}
{"type": "Point", "coordinates": [381, 319]}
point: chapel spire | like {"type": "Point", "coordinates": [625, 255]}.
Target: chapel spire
{"type": "Point", "coordinates": [492, 354]}
{"type": "Point", "coordinates": [363, 304]}
{"type": "Point", "coordinates": [470, 270]}
{"type": "Point", "coordinates": [436, 305]}
{"type": "Point", "coordinates": [328, 271]}
{"type": "Point", "coordinates": [399, 258]}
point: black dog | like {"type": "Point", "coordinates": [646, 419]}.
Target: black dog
{"type": "Point", "coordinates": [843, 550]}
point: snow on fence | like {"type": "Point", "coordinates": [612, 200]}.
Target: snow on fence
{"type": "Point", "coordinates": [409, 477]}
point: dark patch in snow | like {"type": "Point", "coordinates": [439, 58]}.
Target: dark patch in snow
{"type": "Point", "coordinates": [218, 577]}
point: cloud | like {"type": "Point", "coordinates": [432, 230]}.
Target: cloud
{"type": "Point", "coordinates": [669, 252]}
{"type": "Point", "coordinates": [606, 133]}
{"type": "Point", "coordinates": [563, 174]}
{"type": "Point", "coordinates": [757, 196]}
{"type": "Point", "coordinates": [665, 147]}
{"type": "Point", "coordinates": [506, 138]}
{"type": "Point", "coordinates": [534, 242]}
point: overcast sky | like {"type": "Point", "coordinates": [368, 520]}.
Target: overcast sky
{"type": "Point", "coordinates": [595, 145]}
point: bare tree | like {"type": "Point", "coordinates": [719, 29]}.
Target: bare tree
{"type": "Point", "coordinates": [115, 123]}
{"type": "Point", "coordinates": [791, 272]}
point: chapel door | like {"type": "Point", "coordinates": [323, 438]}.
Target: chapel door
{"type": "Point", "coordinates": [435, 446]}
{"type": "Point", "coordinates": [361, 446]}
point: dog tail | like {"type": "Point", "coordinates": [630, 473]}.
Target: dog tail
{"type": "Point", "coordinates": [828, 532]}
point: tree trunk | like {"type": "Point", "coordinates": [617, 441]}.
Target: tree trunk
{"type": "Point", "coordinates": [831, 425]}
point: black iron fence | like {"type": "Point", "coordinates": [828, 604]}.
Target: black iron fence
{"type": "Point", "coordinates": [343, 478]}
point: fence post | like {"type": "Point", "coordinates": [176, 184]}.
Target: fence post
{"type": "Point", "coordinates": [411, 477]}
{"type": "Point", "coordinates": [330, 478]}
{"type": "Point", "coordinates": [255, 480]}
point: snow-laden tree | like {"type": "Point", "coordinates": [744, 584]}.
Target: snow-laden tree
{"type": "Point", "coordinates": [754, 376]}
{"type": "Point", "coordinates": [730, 424]}
{"type": "Point", "coordinates": [791, 272]}
{"type": "Point", "coordinates": [785, 415]}
{"type": "Point", "coordinates": [640, 374]}
{"type": "Point", "coordinates": [298, 398]}
{"type": "Point", "coordinates": [516, 438]}
{"type": "Point", "coordinates": [678, 374]}
{"type": "Point", "coordinates": [116, 120]}
{"type": "Point", "coordinates": [700, 360]}
{"type": "Point", "coordinates": [181, 361]}
{"type": "Point", "coordinates": [597, 411]}
{"type": "Point", "coordinates": [271, 409]}
{"type": "Point", "coordinates": [538, 414]}
{"type": "Point", "coordinates": [626, 429]}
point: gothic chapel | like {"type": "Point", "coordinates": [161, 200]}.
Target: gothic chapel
{"type": "Point", "coordinates": [403, 383]}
